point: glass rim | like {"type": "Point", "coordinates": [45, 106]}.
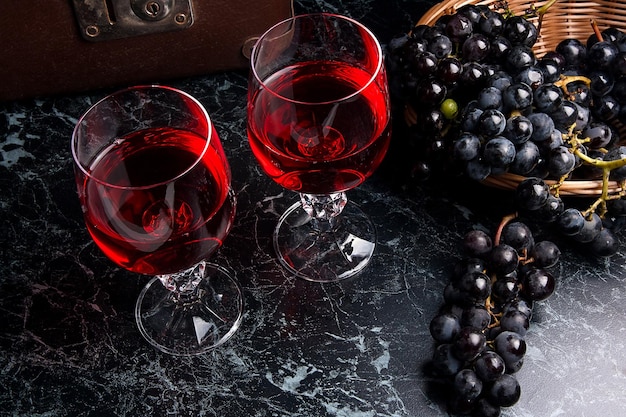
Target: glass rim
{"type": "Point", "coordinates": [372, 78]}
{"type": "Point", "coordinates": [145, 87]}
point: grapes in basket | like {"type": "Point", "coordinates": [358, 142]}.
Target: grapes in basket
{"type": "Point", "coordinates": [476, 97]}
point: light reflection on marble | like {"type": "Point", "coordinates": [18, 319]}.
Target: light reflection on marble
{"type": "Point", "coordinates": [69, 346]}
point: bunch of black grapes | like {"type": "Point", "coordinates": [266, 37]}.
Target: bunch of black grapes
{"type": "Point", "coordinates": [478, 100]}
{"type": "Point", "coordinates": [555, 118]}
{"type": "Point", "coordinates": [479, 332]}
{"type": "Point", "coordinates": [435, 71]}
{"type": "Point", "coordinates": [541, 117]}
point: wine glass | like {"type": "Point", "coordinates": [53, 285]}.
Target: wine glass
{"type": "Point", "coordinates": [319, 124]}
{"type": "Point", "coordinates": [154, 186]}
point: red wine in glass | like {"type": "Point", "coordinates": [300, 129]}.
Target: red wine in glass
{"type": "Point", "coordinates": [146, 228]}
{"type": "Point", "coordinates": [154, 186]}
{"type": "Point", "coordinates": [323, 147]}
{"type": "Point", "coordinates": [319, 124]}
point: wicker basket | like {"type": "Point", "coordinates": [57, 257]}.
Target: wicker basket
{"type": "Point", "coordinates": [565, 19]}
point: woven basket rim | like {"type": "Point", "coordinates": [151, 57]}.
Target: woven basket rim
{"type": "Point", "coordinates": [576, 187]}
{"type": "Point", "coordinates": [611, 10]}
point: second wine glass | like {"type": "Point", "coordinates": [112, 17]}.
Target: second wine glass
{"type": "Point", "coordinates": [319, 124]}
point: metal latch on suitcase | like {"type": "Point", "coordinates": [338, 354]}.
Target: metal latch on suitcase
{"type": "Point", "coordinates": [102, 20]}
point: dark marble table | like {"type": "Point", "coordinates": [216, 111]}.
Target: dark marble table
{"type": "Point", "coordinates": [68, 341]}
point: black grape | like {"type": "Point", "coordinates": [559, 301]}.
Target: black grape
{"type": "Point", "coordinates": [505, 391]}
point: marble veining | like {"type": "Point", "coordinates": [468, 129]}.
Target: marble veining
{"type": "Point", "coordinates": [68, 341]}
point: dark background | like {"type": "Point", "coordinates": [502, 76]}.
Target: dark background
{"type": "Point", "coordinates": [68, 341]}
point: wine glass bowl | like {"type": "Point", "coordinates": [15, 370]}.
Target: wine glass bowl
{"type": "Point", "coordinates": [319, 125]}
{"type": "Point", "coordinates": [155, 188]}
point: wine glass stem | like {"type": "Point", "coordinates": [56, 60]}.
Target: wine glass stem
{"type": "Point", "coordinates": [324, 209]}
{"type": "Point", "coordinates": [184, 283]}
{"type": "Point", "coordinates": [184, 287]}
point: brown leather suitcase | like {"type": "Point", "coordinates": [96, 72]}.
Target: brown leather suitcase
{"type": "Point", "coordinates": [60, 46]}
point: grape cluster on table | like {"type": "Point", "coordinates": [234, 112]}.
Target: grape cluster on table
{"type": "Point", "coordinates": [480, 330]}
{"type": "Point", "coordinates": [478, 100]}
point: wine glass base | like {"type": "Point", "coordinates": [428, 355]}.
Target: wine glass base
{"type": "Point", "coordinates": [191, 325]}
{"type": "Point", "coordinates": [324, 255]}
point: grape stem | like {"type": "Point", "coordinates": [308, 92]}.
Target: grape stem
{"type": "Point", "coordinates": [554, 188]}
{"type": "Point", "coordinates": [544, 9]}
{"type": "Point", "coordinates": [565, 80]}
{"type": "Point", "coordinates": [596, 30]}
{"type": "Point", "coordinates": [505, 220]}
{"type": "Point", "coordinates": [539, 12]}
{"type": "Point", "coordinates": [489, 305]}
{"type": "Point", "coordinates": [606, 166]}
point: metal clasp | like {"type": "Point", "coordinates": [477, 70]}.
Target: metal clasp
{"type": "Point", "coordinates": [102, 20]}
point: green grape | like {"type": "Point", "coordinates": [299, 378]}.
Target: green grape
{"type": "Point", "coordinates": [449, 108]}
